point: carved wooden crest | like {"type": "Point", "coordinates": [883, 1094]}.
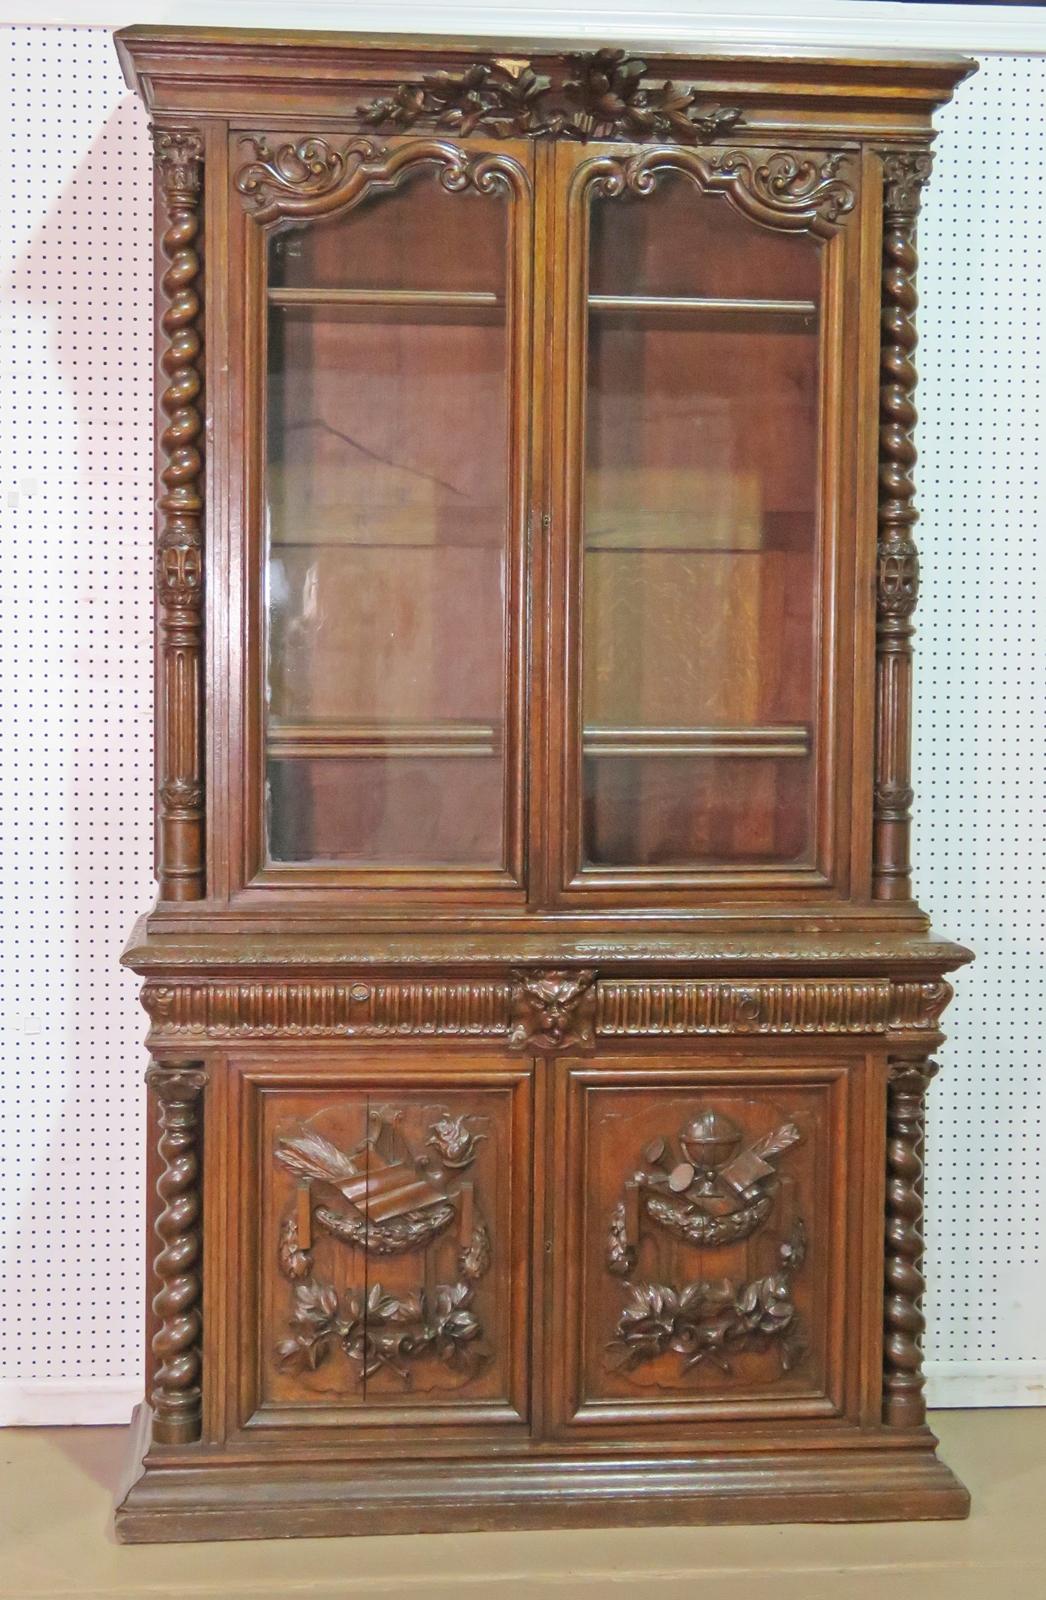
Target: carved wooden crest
{"type": "Point", "coordinates": [600, 95]}
{"type": "Point", "coordinates": [384, 1198]}
{"type": "Point", "coordinates": [713, 1191]}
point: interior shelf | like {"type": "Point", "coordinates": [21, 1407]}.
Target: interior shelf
{"type": "Point", "coordinates": [750, 741]}
{"type": "Point", "coordinates": [312, 740]}
{"type": "Point", "coordinates": [341, 740]}
{"type": "Point", "coordinates": [714, 306]}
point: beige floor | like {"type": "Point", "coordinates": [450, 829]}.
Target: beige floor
{"type": "Point", "coordinates": [56, 1486]}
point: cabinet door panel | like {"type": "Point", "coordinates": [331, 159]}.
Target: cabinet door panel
{"type": "Point", "coordinates": [710, 1217]}
{"type": "Point", "coordinates": [390, 1205]}
{"type": "Point", "coordinates": [388, 513]}
{"type": "Point", "coordinates": [697, 531]}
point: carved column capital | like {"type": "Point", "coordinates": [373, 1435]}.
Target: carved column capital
{"type": "Point", "coordinates": [905, 174]}
{"type": "Point", "coordinates": [178, 153]}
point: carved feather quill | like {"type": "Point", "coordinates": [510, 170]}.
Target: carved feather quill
{"type": "Point", "coordinates": [310, 1155]}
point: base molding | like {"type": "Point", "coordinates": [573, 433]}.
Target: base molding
{"type": "Point", "coordinates": [168, 1502]}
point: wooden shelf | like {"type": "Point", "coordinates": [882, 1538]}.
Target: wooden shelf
{"type": "Point", "coordinates": [683, 304]}
{"type": "Point", "coordinates": [347, 740]}
{"type": "Point", "coordinates": [772, 741]}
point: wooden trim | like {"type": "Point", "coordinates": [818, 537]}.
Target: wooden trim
{"type": "Point", "coordinates": [784, 741]}
{"type": "Point", "coordinates": [318, 741]}
{"type": "Point", "coordinates": [701, 304]}
{"type": "Point", "coordinates": [516, 1007]}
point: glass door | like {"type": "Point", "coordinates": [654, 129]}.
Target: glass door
{"type": "Point", "coordinates": [394, 505]}
{"type": "Point", "coordinates": [694, 528]}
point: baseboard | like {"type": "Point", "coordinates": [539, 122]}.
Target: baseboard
{"type": "Point", "coordinates": [954, 1384]}
{"type": "Point", "coordinates": [67, 1402]}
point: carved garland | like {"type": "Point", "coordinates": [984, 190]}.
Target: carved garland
{"type": "Point", "coordinates": [176, 1394]}
{"type": "Point", "coordinates": [904, 1323]}
{"type": "Point", "coordinates": [713, 1321]}
{"type": "Point", "coordinates": [179, 549]}
{"type": "Point", "coordinates": [904, 174]}
{"type": "Point", "coordinates": [602, 97]}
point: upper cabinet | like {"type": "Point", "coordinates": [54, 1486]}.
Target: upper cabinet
{"type": "Point", "coordinates": [546, 493]}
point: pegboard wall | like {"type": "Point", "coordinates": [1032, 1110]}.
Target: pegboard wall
{"type": "Point", "coordinates": [75, 518]}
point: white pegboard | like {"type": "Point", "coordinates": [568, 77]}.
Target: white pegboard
{"type": "Point", "coordinates": [75, 519]}
{"type": "Point", "coordinates": [980, 836]}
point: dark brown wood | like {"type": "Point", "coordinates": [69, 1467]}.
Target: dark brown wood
{"type": "Point", "coordinates": [904, 174]}
{"type": "Point", "coordinates": [555, 978]}
{"type": "Point", "coordinates": [179, 549]}
{"type": "Point", "coordinates": [175, 1396]}
{"type": "Point", "coordinates": [903, 1402]}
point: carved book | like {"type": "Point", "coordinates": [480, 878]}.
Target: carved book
{"type": "Point", "coordinates": [540, 1016]}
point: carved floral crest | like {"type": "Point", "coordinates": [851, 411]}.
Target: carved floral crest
{"type": "Point", "coordinates": [602, 96]}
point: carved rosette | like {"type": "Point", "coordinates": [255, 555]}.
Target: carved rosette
{"type": "Point", "coordinates": [904, 1324]}
{"type": "Point", "coordinates": [598, 94]}
{"type": "Point", "coordinates": [179, 549]}
{"type": "Point", "coordinates": [176, 1393]}
{"type": "Point", "coordinates": [904, 174]}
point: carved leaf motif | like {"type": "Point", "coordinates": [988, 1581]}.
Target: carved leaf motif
{"type": "Point", "coordinates": [603, 97]}
{"type": "Point", "coordinates": [474, 1261]}
{"type": "Point", "coordinates": [711, 1320]}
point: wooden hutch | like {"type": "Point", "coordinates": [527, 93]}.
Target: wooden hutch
{"type": "Point", "coordinates": [540, 1012]}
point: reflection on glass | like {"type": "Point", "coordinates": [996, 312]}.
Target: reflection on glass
{"type": "Point", "coordinates": [700, 535]}
{"type": "Point", "coordinates": [387, 534]}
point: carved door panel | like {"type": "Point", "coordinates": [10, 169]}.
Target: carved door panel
{"type": "Point", "coordinates": [709, 302]}
{"type": "Point", "coordinates": [386, 504]}
{"type": "Point", "coordinates": [389, 1209]}
{"type": "Point", "coordinates": [711, 1217]}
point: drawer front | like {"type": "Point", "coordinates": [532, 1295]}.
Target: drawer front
{"type": "Point", "coordinates": [382, 1210]}
{"type": "Point", "coordinates": [715, 1240]}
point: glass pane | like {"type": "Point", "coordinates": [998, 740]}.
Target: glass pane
{"type": "Point", "coordinates": [388, 528]}
{"type": "Point", "coordinates": [700, 535]}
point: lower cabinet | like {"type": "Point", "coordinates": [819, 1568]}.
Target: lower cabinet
{"type": "Point", "coordinates": [453, 1242]}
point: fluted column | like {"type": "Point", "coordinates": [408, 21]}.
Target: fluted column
{"type": "Point", "coordinates": [904, 174]}
{"type": "Point", "coordinates": [179, 552]}
{"type": "Point", "coordinates": [176, 1393]}
{"type": "Point", "coordinates": [903, 1322]}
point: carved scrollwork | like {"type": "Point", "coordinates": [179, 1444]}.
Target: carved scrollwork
{"type": "Point", "coordinates": [782, 189]}
{"type": "Point", "coordinates": [176, 1393]}
{"type": "Point", "coordinates": [312, 177]}
{"type": "Point", "coordinates": [553, 1011]}
{"type": "Point", "coordinates": [904, 1324]}
{"type": "Point", "coordinates": [179, 545]}
{"type": "Point", "coordinates": [713, 1321]}
{"type": "Point", "coordinates": [597, 95]}
{"type": "Point", "coordinates": [904, 174]}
